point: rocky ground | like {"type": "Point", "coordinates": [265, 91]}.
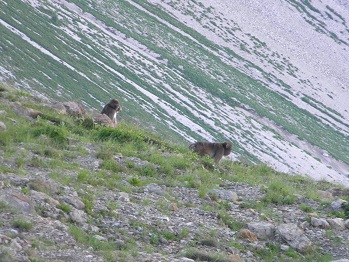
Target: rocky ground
{"type": "Point", "coordinates": [45, 218]}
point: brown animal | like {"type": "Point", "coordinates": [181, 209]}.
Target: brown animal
{"type": "Point", "coordinates": [111, 109]}
{"type": "Point", "coordinates": [214, 150]}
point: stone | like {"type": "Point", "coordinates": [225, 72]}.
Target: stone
{"type": "Point", "coordinates": [319, 222]}
{"type": "Point", "coordinates": [124, 197]}
{"type": "Point", "coordinates": [153, 188]}
{"type": "Point", "coordinates": [185, 259]}
{"type": "Point", "coordinates": [103, 120]}
{"type": "Point", "coordinates": [15, 245]}
{"type": "Point", "coordinates": [346, 223]}
{"type": "Point", "coordinates": [100, 238]}
{"type": "Point", "coordinates": [338, 204]}
{"type": "Point", "coordinates": [227, 195]}
{"type": "Point", "coordinates": [75, 202]}
{"type": "Point", "coordinates": [4, 240]}
{"type": "Point", "coordinates": [59, 107]}
{"type": "Point", "coordinates": [74, 109]}
{"type": "Point", "coordinates": [262, 230]}
{"type": "Point", "coordinates": [25, 111]}
{"type": "Point", "coordinates": [44, 197]}
{"type": "Point", "coordinates": [325, 195]}
{"type": "Point", "coordinates": [19, 202]}
{"type": "Point", "coordinates": [78, 216]}
{"type": "Point", "coordinates": [3, 126]}
{"type": "Point", "coordinates": [284, 247]}
{"type": "Point", "coordinates": [336, 223]}
{"type": "Point", "coordinates": [294, 236]}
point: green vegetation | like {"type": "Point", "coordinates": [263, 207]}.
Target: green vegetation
{"type": "Point", "coordinates": [22, 224]}
{"type": "Point", "coordinates": [192, 63]}
{"type": "Point", "coordinates": [146, 158]}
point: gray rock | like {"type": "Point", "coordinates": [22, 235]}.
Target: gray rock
{"type": "Point", "coordinates": [224, 194]}
{"type": "Point", "coordinates": [18, 201]}
{"type": "Point", "coordinates": [319, 222]}
{"type": "Point", "coordinates": [74, 109]}
{"type": "Point", "coordinates": [154, 188]}
{"type": "Point", "coordinates": [3, 126]}
{"type": "Point", "coordinates": [336, 223]}
{"type": "Point", "coordinates": [346, 223]}
{"type": "Point", "coordinates": [325, 195]}
{"type": "Point", "coordinates": [185, 259]}
{"type": "Point", "coordinates": [100, 238]}
{"type": "Point", "coordinates": [294, 237]}
{"type": "Point", "coordinates": [78, 216]}
{"type": "Point", "coordinates": [124, 197]}
{"type": "Point", "coordinates": [59, 107]}
{"type": "Point", "coordinates": [44, 197]}
{"type": "Point", "coordinates": [103, 120]}
{"type": "Point", "coordinates": [15, 245]}
{"type": "Point", "coordinates": [284, 247]}
{"type": "Point", "coordinates": [25, 111]}
{"type": "Point", "coordinates": [338, 204]}
{"type": "Point", "coordinates": [74, 201]}
{"type": "Point", "coordinates": [262, 230]}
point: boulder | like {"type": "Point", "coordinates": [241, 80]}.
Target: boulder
{"type": "Point", "coordinates": [336, 223]}
{"type": "Point", "coordinates": [223, 194]}
{"type": "Point", "coordinates": [103, 120]}
{"type": "Point", "coordinates": [74, 109]}
{"type": "Point", "coordinates": [262, 230]}
{"type": "Point", "coordinates": [319, 222]}
{"type": "Point", "coordinates": [294, 236]}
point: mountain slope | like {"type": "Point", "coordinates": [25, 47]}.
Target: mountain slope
{"type": "Point", "coordinates": [270, 77]}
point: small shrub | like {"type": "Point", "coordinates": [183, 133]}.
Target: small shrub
{"type": "Point", "coordinates": [148, 171]}
{"type": "Point", "coordinates": [3, 205]}
{"type": "Point", "coordinates": [112, 166]}
{"type": "Point", "coordinates": [104, 154]}
{"type": "Point", "coordinates": [210, 242]}
{"type": "Point", "coordinates": [22, 224]}
{"type": "Point", "coordinates": [122, 134]}
{"type": "Point", "coordinates": [230, 222]}
{"type": "Point", "coordinates": [88, 201]}
{"type": "Point", "coordinates": [83, 175]}
{"type": "Point", "coordinates": [306, 208]}
{"type": "Point", "coordinates": [135, 181]}
{"type": "Point", "coordinates": [64, 207]}
{"type": "Point", "coordinates": [199, 255]}
{"type": "Point", "coordinates": [87, 123]}
{"type": "Point", "coordinates": [25, 190]}
{"type": "Point", "coordinates": [346, 211]}
{"type": "Point", "coordinates": [130, 164]}
{"type": "Point", "coordinates": [57, 134]}
{"type": "Point", "coordinates": [278, 193]}
{"type": "Point", "coordinates": [184, 233]}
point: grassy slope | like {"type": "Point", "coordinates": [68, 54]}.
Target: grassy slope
{"type": "Point", "coordinates": [188, 65]}
{"type": "Point", "coordinates": [49, 146]}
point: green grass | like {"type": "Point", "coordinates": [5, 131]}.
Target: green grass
{"type": "Point", "coordinates": [183, 54]}
{"type": "Point", "coordinates": [163, 163]}
{"type": "Point", "coordinates": [22, 224]}
{"type": "Point", "coordinates": [103, 247]}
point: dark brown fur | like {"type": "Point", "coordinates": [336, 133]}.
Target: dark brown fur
{"type": "Point", "coordinates": [214, 150]}
{"type": "Point", "coordinates": [111, 109]}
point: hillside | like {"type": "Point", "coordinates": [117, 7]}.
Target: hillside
{"type": "Point", "coordinates": [74, 191]}
{"type": "Point", "coordinates": [270, 77]}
